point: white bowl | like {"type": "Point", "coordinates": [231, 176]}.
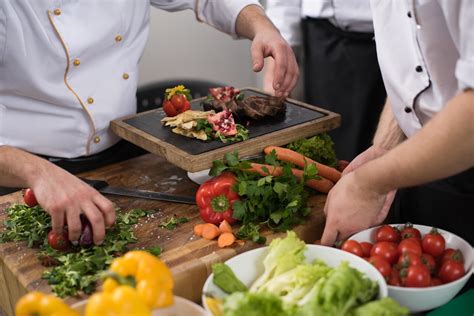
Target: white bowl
{"type": "Point", "coordinates": [422, 299]}
{"type": "Point", "coordinates": [248, 266]}
{"type": "Point", "coordinates": [181, 307]}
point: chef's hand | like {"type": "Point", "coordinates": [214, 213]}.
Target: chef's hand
{"type": "Point", "coordinates": [351, 206]}
{"type": "Point", "coordinates": [268, 42]}
{"type": "Point", "coordinates": [65, 197]}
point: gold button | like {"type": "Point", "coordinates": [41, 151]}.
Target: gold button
{"type": "Point", "coordinates": [57, 12]}
{"type": "Point", "coordinates": [90, 100]}
{"type": "Point", "coordinates": [76, 62]}
{"type": "Point", "coordinates": [118, 38]}
{"type": "Point", "coordinates": [96, 139]}
{"type": "Point", "coordinates": [125, 76]}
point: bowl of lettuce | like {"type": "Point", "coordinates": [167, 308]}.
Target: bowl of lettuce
{"type": "Point", "coordinates": [290, 278]}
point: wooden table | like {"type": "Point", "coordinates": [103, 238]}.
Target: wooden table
{"type": "Point", "coordinates": [189, 257]}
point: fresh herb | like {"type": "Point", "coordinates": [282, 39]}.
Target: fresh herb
{"type": "Point", "coordinates": [156, 250]}
{"type": "Point", "coordinates": [242, 132]}
{"type": "Point", "coordinates": [279, 202]}
{"type": "Point", "coordinates": [173, 222]}
{"type": "Point", "coordinates": [319, 148]}
{"type": "Point", "coordinates": [79, 269]}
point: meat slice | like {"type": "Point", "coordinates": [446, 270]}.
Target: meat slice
{"type": "Point", "coordinates": [257, 107]}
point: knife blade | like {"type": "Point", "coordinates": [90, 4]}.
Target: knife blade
{"type": "Point", "coordinates": [104, 187]}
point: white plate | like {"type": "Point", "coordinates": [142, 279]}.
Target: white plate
{"type": "Point", "coordinates": [181, 307]}
{"type": "Point", "coordinates": [422, 299]}
{"type": "Point", "coordinates": [249, 265]}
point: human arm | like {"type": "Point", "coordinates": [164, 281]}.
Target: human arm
{"type": "Point", "coordinates": [60, 194]}
{"type": "Point", "coordinates": [443, 147]}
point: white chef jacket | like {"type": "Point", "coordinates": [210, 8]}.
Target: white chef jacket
{"type": "Point", "coordinates": [69, 67]}
{"type": "Point", "coordinates": [351, 15]}
{"type": "Point", "coordinates": [425, 50]}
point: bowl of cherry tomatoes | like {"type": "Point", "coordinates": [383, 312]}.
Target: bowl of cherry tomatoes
{"type": "Point", "coordinates": [424, 267]}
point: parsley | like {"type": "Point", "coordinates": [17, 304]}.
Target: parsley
{"type": "Point", "coordinates": [156, 251]}
{"type": "Point", "coordinates": [173, 222]}
{"type": "Point", "coordinates": [319, 148]}
{"type": "Point", "coordinates": [242, 132]}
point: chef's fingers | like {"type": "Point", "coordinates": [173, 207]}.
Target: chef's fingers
{"type": "Point", "coordinates": [107, 209]}
{"type": "Point", "coordinates": [292, 73]}
{"type": "Point", "coordinates": [57, 222]}
{"type": "Point", "coordinates": [280, 55]}
{"type": "Point", "coordinates": [96, 219]}
{"type": "Point", "coordinates": [257, 51]}
{"type": "Point", "coordinates": [330, 235]}
{"type": "Point", "coordinates": [73, 225]}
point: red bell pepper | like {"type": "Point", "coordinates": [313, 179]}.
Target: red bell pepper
{"type": "Point", "coordinates": [215, 198]}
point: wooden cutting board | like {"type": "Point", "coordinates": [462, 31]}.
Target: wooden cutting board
{"type": "Point", "coordinates": [299, 121]}
{"type": "Point", "coordinates": [189, 257]}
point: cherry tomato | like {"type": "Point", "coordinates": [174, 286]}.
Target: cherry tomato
{"type": "Point", "coordinates": [451, 254]}
{"type": "Point", "coordinates": [366, 248]}
{"type": "Point", "coordinates": [433, 243]}
{"type": "Point", "coordinates": [435, 282]}
{"type": "Point", "coordinates": [387, 233]}
{"type": "Point", "coordinates": [178, 101]}
{"type": "Point", "coordinates": [382, 265]}
{"type": "Point", "coordinates": [409, 231]}
{"type": "Point", "coordinates": [29, 197]}
{"type": "Point", "coordinates": [409, 259]}
{"type": "Point", "coordinates": [416, 276]}
{"type": "Point", "coordinates": [409, 245]}
{"type": "Point", "coordinates": [395, 278]}
{"type": "Point", "coordinates": [354, 247]}
{"type": "Point", "coordinates": [450, 270]}
{"type": "Point", "coordinates": [388, 250]}
{"type": "Point", "coordinates": [59, 241]}
{"type": "Point", "coordinates": [169, 108]}
{"type": "Point", "coordinates": [429, 262]}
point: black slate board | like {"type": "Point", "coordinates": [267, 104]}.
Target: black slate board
{"type": "Point", "coordinates": [151, 124]}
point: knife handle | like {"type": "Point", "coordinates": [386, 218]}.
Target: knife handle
{"type": "Point", "coordinates": [96, 184]}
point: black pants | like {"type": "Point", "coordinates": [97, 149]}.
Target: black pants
{"type": "Point", "coordinates": [343, 76]}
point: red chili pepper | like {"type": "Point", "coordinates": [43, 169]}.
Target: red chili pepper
{"type": "Point", "coordinates": [215, 198]}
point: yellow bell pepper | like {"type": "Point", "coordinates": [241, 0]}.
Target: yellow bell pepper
{"type": "Point", "coordinates": [150, 277]}
{"type": "Point", "coordinates": [122, 301]}
{"type": "Point", "coordinates": [40, 304]}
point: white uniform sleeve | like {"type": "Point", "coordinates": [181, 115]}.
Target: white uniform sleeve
{"type": "Point", "coordinates": [220, 14]}
{"type": "Point", "coordinates": [286, 15]}
{"type": "Point", "coordinates": [459, 17]}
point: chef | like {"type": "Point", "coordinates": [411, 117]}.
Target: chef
{"type": "Point", "coordinates": [339, 62]}
{"type": "Point", "coordinates": [424, 144]}
{"type": "Point", "coordinates": [67, 68]}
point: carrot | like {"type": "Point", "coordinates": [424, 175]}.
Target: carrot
{"type": "Point", "coordinates": [225, 227]}
{"type": "Point", "coordinates": [210, 231]}
{"type": "Point", "coordinates": [322, 185]}
{"type": "Point", "coordinates": [225, 239]}
{"type": "Point", "coordinates": [198, 229]}
{"type": "Point", "coordinates": [298, 159]}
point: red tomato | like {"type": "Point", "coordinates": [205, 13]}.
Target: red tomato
{"type": "Point", "coordinates": [435, 282]}
{"type": "Point", "coordinates": [59, 241]}
{"type": "Point", "coordinates": [395, 278]}
{"type": "Point", "coordinates": [433, 243]}
{"type": "Point", "coordinates": [366, 248]}
{"type": "Point", "coordinates": [169, 108]}
{"type": "Point", "coordinates": [429, 262]}
{"type": "Point", "coordinates": [409, 245]}
{"type": "Point", "coordinates": [450, 270]}
{"type": "Point", "coordinates": [29, 198]}
{"type": "Point", "coordinates": [451, 254]}
{"type": "Point", "coordinates": [416, 276]}
{"type": "Point", "coordinates": [387, 233]}
{"type": "Point", "coordinates": [382, 265]}
{"type": "Point", "coordinates": [353, 246]}
{"type": "Point", "coordinates": [409, 259]}
{"type": "Point", "coordinates": [178, 101]}
{"type": "Point", "coordinates": [409, 231]}
{"type": "Point", "coordinates": [388, 250]}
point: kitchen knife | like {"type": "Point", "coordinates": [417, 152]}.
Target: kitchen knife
{"type": "Point", "coordinates": [104, 187]}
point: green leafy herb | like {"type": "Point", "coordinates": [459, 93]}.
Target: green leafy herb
{"type": "Point", "coordinates": [156, 251]}
{"type": "Point", "coordinates": [319, 148]}
{"type": "Point", "coordinates": [173, 222]}
{"type": "Point", "coordinates": [242, 134]}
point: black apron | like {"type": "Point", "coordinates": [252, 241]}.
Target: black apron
{"type": "Point", "coordinates": [342, 75]}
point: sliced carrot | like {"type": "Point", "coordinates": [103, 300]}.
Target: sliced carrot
{"type": "Point", "coordinates": [210, 231]}
{"type": "Point", "coordinates": [225, 227]}
{"type": "Point", "coordinates": [299, 160]}
{"type": "Point", "coordinates": [225, 239]}
{"type": "Point", "coordinates": [198, 229]}
{"type": "Point", "coordinates": [322, 185]}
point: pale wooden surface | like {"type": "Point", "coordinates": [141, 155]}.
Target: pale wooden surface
{"type": "Point", "coordinates": [189, 257]}
{"type": "Point", "coordinates": [249, 147]}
